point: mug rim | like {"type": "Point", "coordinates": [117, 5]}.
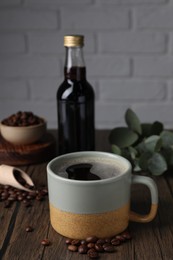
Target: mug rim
{"type": "Point", "coordinates": [91, 182]}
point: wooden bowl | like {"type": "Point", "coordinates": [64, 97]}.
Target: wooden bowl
{"type": "Point", "coordinates": [23, 135]}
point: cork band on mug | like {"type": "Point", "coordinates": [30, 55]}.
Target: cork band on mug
{"type": "Point", "coordinates": [80, 226]}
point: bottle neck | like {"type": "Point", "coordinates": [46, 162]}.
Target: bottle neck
{"type": "Point", "coordinates": [74, 68]}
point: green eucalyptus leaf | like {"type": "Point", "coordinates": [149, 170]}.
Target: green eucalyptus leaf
{"type": "Point", "coordinates": [116, 149]}
{"type": "Point", "coordinates": [133, 121]}
{"type": "Point", "coordinates": [168, 155]}
{"type": "Point", "coordinates": [156, 128]}
{"type": "Point", "coordinates": [157, 164]}
{"type": "Point", "coordinates": [133, 152]}
{"type": "Point", "coordinates": [122, 137]}
{"type": "Point", "coordinates": [146, 129]}
{"type": "Point", "coordinates": [153, 143]}
{"type": "Point", "coordinates": [167, 138]}
{"type": "Point", "coordinates": [143, 160]}
{"type": "Point", "coordinates": [126, 154]}
{"type": "Point", "coordinates": [141, 148]}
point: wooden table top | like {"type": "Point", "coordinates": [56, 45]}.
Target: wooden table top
{"type": "Point", "coordinates": [152, 240]}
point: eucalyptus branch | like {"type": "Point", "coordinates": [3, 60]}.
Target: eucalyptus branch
{"type": "Point", "coordinates": [147, 146]}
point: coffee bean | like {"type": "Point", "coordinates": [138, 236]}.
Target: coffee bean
{"type": "Point", "coordinates": [109, 248]}
{"type": "Point", "coordinates": [39, 198]}
{"type": "Point", "coordinates": [126, 235]}
{"type": "Point", "coordinates": [92, 239]}
{"type": "Point", "coordinates": [4, 197]}
{"type": "Point", "coordinates": [82, 249]}
{"type": "Point", "coordinates": [18, 193]}
{"type": "Point", "coordinates": [101, 241]}
{"type": "Point", "coordinates": [99, 248]}
{"type": "Point", "coordinates": [68, 241]}
{"type": "Point", "coordinates": [120, 237]}
{"type": "Point", "coordinates": [5, 194]}
{"type": "Point", "coordinates": [92, 254]}
{"type": "Point", "coordinates": [11, 192]}
{"type": "Point", "coordinates": [83, 242]}
{"type": "Point", "coordinates": [106, 244]}
{"type": "Point", "coordinates": [107, 239]}
{"type": "Point", "coordinates": [28, 197]}
{"type": "Point", "coordinates": [115, 242]}
{"type": "Point", "coordinates": [75, 242]}
{"type": "Point", "coordinates": [6, 187]}
{"type": "Point", "coordinates": [29, 229]}
{"type": "Point", "coordinates": [12, 198]}
{"type": "Point", "coordinates": [91, 245]}
{"type": "Point", "coordinates": [19, 198]}
{"type": "Point", "coordinates": [72, 248]}
{"type": "Point", "coordinates": [44, 192]}
{"type": "Point", "coordinates": [45, 242]}
{"type": "Point", "coordinates": [24, 194]}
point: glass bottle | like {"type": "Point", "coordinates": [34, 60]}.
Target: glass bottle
{"type": "Point", "coordinates": [75, 101]}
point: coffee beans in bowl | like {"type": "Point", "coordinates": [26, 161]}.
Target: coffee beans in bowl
{"type": "Point", "coordinates": [23, 128]}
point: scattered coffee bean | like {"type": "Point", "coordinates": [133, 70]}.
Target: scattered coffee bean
{"type": "Point", "coordinates": [120, 237]}
{"type": "Point", "coordinates": [82, 249]}
{"type": "Point", "coordinates": [105, 244]}
{"type": "Point", "coordinates": [75, 242]}
{"type": "Point", "coordinates": [107, 239]}
{"type": "Point", "coordinates": [99, 247]}
{"type": "Point", "coordinates": [72, 248]}
{"type": "Point", "coordinates": [115, 242]}
{"type": "Point", "coordinates": [92, 254]}
{"type": "Point", "coordinates": [19, 198]}
{"type": "Point", "coordinates": [45, 242]}
{"type": "Point", "coordinates": [108, 248]}
{"type": "Point", "coordinates": [83, 242]}
{"type": "Point", "coordinates": [39, 198]}
{"type": "Point", "coordinates": [68, 241]}
{"type": "Point", "coordinates": [8, 193]}
{"type": "Point", "coordinates": [29, 229]}
{"type": "Point", "coordinates": [101, 241]}
{"type": "Point", "coordinates": [126, 235]}
{"type": "Point", "coordinates": [91, 239]}
{"type": "Point", "coordinates": [92, 245]}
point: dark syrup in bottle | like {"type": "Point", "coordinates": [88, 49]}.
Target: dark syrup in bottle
{"type": "Point", "coordinates": [75, 113]}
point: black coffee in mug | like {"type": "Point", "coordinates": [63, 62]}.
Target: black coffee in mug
{"type": "Point", "coordinates": [89, 169]}
{"type": "Point", "coordinates": [82, 172]}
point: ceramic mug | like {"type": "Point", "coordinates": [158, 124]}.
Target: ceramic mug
{"type": "Point", "coordinates": [79, 209]}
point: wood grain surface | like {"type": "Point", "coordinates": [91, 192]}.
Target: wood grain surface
{"type": "Point", "coordinates": [150, 241]}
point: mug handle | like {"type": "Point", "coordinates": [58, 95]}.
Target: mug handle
{"type": "Point", "coordinates": [154, 200]}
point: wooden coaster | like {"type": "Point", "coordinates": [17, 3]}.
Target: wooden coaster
{"type": "Point", "coordinates": [41, 151]}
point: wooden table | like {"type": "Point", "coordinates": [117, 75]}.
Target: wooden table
{"type": "Point", "coordinates": [150, 241]}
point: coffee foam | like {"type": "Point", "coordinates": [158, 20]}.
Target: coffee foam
{"type": "Point", "coordinates": [103, 167]}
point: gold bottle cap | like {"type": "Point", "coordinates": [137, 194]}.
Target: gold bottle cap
{"type": "Point", "coordinates": [73, 40]}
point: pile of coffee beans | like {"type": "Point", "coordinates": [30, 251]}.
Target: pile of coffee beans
{"type": "Point", "coordinates": [22, 119]}
{"type": "Point", "coordinates": [9, 194]}
{"type": "Point", "coordinates": [93, 245]}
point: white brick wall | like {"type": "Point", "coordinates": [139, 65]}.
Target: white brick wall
{"type": "Point", "coordinates": [128, 53]}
